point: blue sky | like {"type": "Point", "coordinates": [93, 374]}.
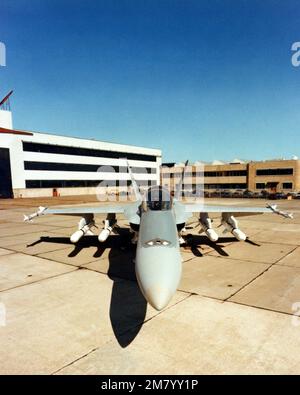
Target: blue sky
{"type": "Point", "coordinates": [201, 80]}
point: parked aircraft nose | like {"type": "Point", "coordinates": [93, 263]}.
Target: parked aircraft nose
{"type": "Point", "coordinates": [158, 271]}
{"type": "Point", "coordinates": [159, 297]}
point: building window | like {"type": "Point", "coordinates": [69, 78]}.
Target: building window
{"type": "Point", "coordinates": [81, 183]}
{"type": "Point", "coordinates": [274, 172]}
{"type": "Point", "coordinates": [167, 175]}
{"type": "Point", "coordinates": [66, 150]}
{"type": "Point", "coordinates": [235, 173]}
{"type": "Point", "coordinates": [260, 185]}
{"type": "Point", "coordinates": [226, 173]}
{"type": "Point", "coordinates": [225, 186]}
{"type": "Point", "coordinates": [51, 166]}
{"type": "Point", "coordinates": [212, 174]}
{"type": "Point", "coordinates": [89, 183]}
{"type": "Point", "coordinates": [33, 184]}
{"type": "Point", "coordinates": [61, 183]}
{"type": "Point", "coordinates": [287, 185]}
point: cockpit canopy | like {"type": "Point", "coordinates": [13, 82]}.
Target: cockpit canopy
{"type": "Point", "coordinates": [158, 199]}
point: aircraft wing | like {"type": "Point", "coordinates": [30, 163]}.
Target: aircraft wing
{"type": "Point", "coordinates": [130, 211]}
{"type": "Point", "coordinates": [184, 210]}
{"type": "Point", "coordinates": [85, 210]}
{"type": "Point", "coordinates": [206, 208]}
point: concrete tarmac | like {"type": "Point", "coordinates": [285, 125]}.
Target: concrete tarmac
{"type": "Point", "coordinates": [68, 309]}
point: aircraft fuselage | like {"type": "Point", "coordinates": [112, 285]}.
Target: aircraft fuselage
{"type": "Point", "coordinates": [158, 259]}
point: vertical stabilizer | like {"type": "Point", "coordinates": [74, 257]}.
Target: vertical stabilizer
{"type": "Point", "coordinates": [179, 185]}
{"type": "Point", "coordinates": [134, 184]}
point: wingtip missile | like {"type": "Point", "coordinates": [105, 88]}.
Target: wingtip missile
{"type": "Point", "coordinates": [284, 214]}
{"type": "Point", "coordinates": [40, 211]}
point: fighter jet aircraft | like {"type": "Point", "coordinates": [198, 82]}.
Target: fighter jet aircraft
{"type": "Point", "coordinates": [157, 220]}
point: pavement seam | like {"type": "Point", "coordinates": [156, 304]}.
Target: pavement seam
{"type": "Point", "coordinates": [193, 293]}
{"type": "Point", "coordinates": [238, 259]}
{"type": "Point", "coordinates": [289, 253]}
{"type": "Point", "coordinates": [96, 259]}
{"type": "Point", "coordinates": [30, 254]}
{"type": "Point", "coordinates": [249, 260]}
{"type": "Point", "coordinates": [122, 334]}
{"type": "Point", "coordinates": [37, 281]}
{"type": "Point", "coordinates": [41, 257]}
{"type": "Point", "coordinates": [261, 274]}
{"type": "Point", "coordinates": [260, 308]}
{"type": "Point", "coordinates": [76, 268]}
{"type": "Point", "coordinates": [19, 234]}
{"type": "Point", "coordinates": [246, 285]}
{"type": "Point", "coordinates": [278, 243]}
{"type": "Point", "coordinates": [112, 276]}
{"type": "Point", "coordinates": [10, 252]}
{"type": "Point", "coordinates": [78, 359]}
{"type": "Point", "coordinates": [285, 265]}
{"type": "Point", "coordinates": [242, 304]}
{"type": "Point", "coordinates": [63, 263]}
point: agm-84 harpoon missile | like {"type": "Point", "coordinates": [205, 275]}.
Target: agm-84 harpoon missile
{"type": "Point", "coordinates": [28, 218]}
{"type": "Point", "coordinates": [84, 231]}
{"type": "Point", "coordinates": [285, 214]}
{"type": "Point", "coordinates": [109, 225]}
{"type": "Point", "coordinates": [84, 228]}
{"type": "Point", "coordinates": [230, 224]}
{"type": "Point", "coordinates": [206, 225]}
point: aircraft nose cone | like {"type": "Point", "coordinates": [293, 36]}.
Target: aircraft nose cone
{"type": "Point", "coordinates": [158, 272]}
{"type": "Point", "coordinates": [159, 297]}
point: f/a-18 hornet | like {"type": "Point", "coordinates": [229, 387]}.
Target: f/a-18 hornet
{"type": "Point", "coordinates": [157, 220]}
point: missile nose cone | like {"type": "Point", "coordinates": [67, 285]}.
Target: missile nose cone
{"type": "Point", "coordinates": [159, 297]}
{"type": "Point", "coordinates": [103, 235]}
{"type": "Point", "coordinates": [212, 234]}
{"type": "Point", "coordinates": [76, 236]}
{"type": "Point", "coordinates": [238, 234]}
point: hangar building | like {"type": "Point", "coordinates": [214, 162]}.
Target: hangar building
{"type": "Point", "coordinates": [277, 175]}
{"type": "Point", "coordinates": [39, 164]}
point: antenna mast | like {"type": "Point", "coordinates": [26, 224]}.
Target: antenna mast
{"type": "Point", "coordinates": [5, 103]}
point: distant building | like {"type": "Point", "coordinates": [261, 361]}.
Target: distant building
{"type": "Point", "coordinates": [270, 175]}
{"type": "Point", "coordinates": [38, 164]}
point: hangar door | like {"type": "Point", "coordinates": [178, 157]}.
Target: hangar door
{"type": "Point", "coordinates": [5, 174]}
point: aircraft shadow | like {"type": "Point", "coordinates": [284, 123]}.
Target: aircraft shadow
{"type": "Point", "coordinates": [195, 241]}
{"type": "Point", "coordinates": [128, 306]}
